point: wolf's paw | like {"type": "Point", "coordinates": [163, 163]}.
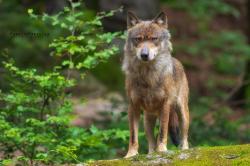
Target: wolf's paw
{"type": "Point", "coordinates": [184, 146]}
{"type": "Point", "coordinates": [131, 153]}
{"type": "Point", "coordinates": [161, 148]}
{"type": "Point", "coordinates": [151, 151]}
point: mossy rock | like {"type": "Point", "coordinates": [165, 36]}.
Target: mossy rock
{"type": "Point", "coordinates": [214, 156]}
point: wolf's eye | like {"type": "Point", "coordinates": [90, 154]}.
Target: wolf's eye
{"type": "Point", "coordinates": [138, 39]}
{"type": "Point", "coordinates": [154, 38]}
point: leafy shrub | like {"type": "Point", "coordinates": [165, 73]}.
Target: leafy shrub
{"type": "Point", "coordinates": [35, 114]}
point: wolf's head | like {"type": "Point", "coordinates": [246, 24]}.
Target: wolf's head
{"type": "Point", "coordinates": [147, 39]}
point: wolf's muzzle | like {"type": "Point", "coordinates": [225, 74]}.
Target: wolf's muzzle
{"type": "Point", "coordinates": [145, 53]}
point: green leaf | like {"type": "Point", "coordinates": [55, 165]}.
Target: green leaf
{"type": "Point", "coordinates": [89, 62]}
{"type": "Point", "coordinates": [76, 4]}
{"type": "Point", "coordinates": [30, 11]}
{"type": "Point", "coordinates": [93, 129]}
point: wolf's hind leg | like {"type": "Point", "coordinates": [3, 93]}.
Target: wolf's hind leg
{"type": "Point", "coordinates": [183, 113]}
{"type": "Point", "coordinates": [149, 124]}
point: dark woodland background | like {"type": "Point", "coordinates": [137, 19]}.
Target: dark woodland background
{"type": "Point", "coordinates": [211, 38]}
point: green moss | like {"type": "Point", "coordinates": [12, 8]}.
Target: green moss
{"type": "Point", "coordinates": [221, 155]}
{"type": "Point", "coordinates": [118, 162]}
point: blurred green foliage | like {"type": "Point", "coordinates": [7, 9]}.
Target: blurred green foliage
{"type": "Point", "coordinates": [202, 8]}
{"type": "Point", "coordinates": [27, 50]}
{"type": "Point", "coordinates": [227, 50]}
{"type": "Point", "coordinates": [203, 11]}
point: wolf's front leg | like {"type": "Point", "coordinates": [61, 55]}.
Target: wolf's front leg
{"type": "Point", "coordinates": [149, 124]}
{"type": "Point", "coordinates": [163, 132]}
{"type": "Point", "coordinates": [133, 117]}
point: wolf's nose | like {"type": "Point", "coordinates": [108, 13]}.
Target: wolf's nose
{"type": "Point", "coordinates": [144, 53]}
{"type": "Point", "coordinates": [144, 56]}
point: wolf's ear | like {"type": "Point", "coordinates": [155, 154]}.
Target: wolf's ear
{"type": "Point", "coordinates": [132, 19]}
{"type": "Point", "coordinates": [161, 19]}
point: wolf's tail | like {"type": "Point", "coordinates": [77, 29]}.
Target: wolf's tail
{"type": "Point", "coordinates": [173, 128]}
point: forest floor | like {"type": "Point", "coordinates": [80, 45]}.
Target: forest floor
{"type": "Point", "coordinates": [220, 155]}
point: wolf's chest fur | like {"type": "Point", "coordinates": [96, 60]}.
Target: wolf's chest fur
{"type": "Point", "coordinates": [147, 87]}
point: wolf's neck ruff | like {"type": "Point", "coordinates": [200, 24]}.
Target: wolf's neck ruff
{"type": "Point", "coordinates": [149, 74]}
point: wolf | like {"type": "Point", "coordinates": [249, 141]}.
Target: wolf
{"type": "Point", "coordinates": [156, 85]}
